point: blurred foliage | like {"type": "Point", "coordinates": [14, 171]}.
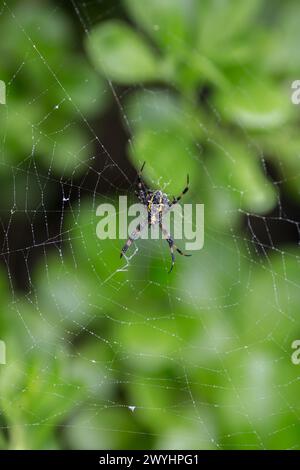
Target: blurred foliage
{"type": "Point", "coordinates": [100, 356]}
{"type": "Point", "coordinates": [50, 88]}
{"type": "Point", "coordinates": [229, 49]}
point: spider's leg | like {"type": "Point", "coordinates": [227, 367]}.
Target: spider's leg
{"type": "Point", "coordinates": [160, 221]}
{"type": "Point", "coordinates": [141, 184]}
{"type": "Point", "coordinates": [132, 237]}
{"type": "Point", "coordinates": [141, 190]}
{"type": "Point", "coordinates": [171, 245]}
{"type": "Point", "coordinates": [176, 199]}
{"type": "Point", "coordinates": [135, 234]}
{"type": "Point", "coordinates": [140, 172]}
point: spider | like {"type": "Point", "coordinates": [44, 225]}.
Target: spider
{"type": "Point", "coordinates": [157, 204]}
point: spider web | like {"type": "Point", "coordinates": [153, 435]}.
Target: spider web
{"type": "Point", "coordinates": [103, 353]}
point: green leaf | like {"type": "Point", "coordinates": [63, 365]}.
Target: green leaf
{"type": "Point", "coordinates": [237, 170]}
{"type": "Point", "coordinates": [168, 22]}
{"type": "Point", "coordinates": [43, 393]}
{"type": "Point", "coordinates": [16, 124]}
{"type": "Point", "coordinates": [67, 153]}
{"type": "Point", "coordinates": [40, 119]}
{"type": "Point", "coordinates": [121, 54]}
{"type": "Point", "coordinates": [281, 51]}
{"type": "Point", "coordinates": [99, 259]}
{"type": "Point", "coordinates": [219, 22]}
{"type": "Point", "coordinates": [111, 427]}
{"type": "Point", "coordinates": [50, 31]}
{"type": "Point", "coordinates": [254, 102]}
{"type": "Point", "coordinates": [64, 295]}
{"type": "Point", "coordinates": [157, 110]}
{"type": "Point", "coordinates": [87, 90]}
{"type": "Point", "coordinates": [276, 287]}
{"type": "Point", "coordinates": [168, 156]}
{"type": "Point", "coordinates": [206, 282]}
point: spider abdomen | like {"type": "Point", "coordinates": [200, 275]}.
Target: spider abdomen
{"type": "Point", "coordinates": [157, 204]}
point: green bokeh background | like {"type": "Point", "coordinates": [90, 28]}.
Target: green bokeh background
{"type": "Point", "coordinates": [104, 357]}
